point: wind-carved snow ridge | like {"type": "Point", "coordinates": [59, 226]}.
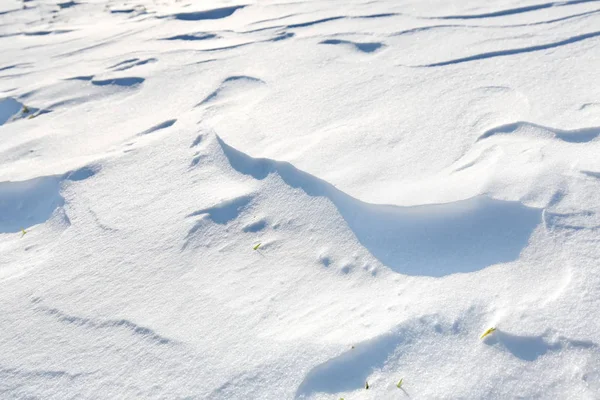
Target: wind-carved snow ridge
{"type": "Point", "coordinates": [530, 348]}
{"type": "Point", "coordinates": [420, 29]}
{"type": "Point", "coordinates": [193, 36]}
{"type": "Point", "coordinates": [158, 127]}
{"type": "Point", "coordinates": [352, 368]}
{"type": "Point", "coordinates": [217, 13]}
{"type": "Point", "coordinates": [27, 203]}
{"type": "Point", "coordinates": [369, 47]}
{"type": "Point", "coordinates": [131, 63]}
{"type": "Point", "coordinates": [129, 81]}
{"type": "Point", "coordinates": [9, 107]}
{"type": "Point", "coordinates": [225, 211]}
{"type": "Point", "coordinates": [229, 86]}
{"type": "Point", "coordinates": [582, 135]}
{"type": "Point", "coordinates": [518, 10]}
{"type": "Point", "coordinates": [510, 52]}
{"type": "Point", "coordinates": [221, 214]}
{"type": "Point", "coordinates": [97, 324]}
{"type": "Point", "coordinates": [428, 240]}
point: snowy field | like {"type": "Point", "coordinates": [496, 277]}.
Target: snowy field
{"type": "Point", "coordinates": [281, 199]}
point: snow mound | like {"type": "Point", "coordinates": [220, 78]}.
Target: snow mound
{"type": "Point", "coordinates": [32, 202]}
{"type": "Point", "coordinates": [9, 107]}
{"type": "Point", "coordinates": [430, 240]}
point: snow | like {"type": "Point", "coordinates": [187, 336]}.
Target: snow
{"type": "Point", "coordinates": [414, 172]}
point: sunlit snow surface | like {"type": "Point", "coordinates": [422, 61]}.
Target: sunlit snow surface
{"type": "Point", "coordinates": [415, 172]}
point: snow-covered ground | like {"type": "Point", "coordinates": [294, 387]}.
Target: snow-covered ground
{"type": "Point", "coordinates": [415, 172]}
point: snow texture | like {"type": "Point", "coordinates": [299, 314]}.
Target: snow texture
{"type": "Point", "coordinates": [414, 172]}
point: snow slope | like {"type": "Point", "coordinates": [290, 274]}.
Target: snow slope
{"type": "Point", "coordinates": [414, 172]}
